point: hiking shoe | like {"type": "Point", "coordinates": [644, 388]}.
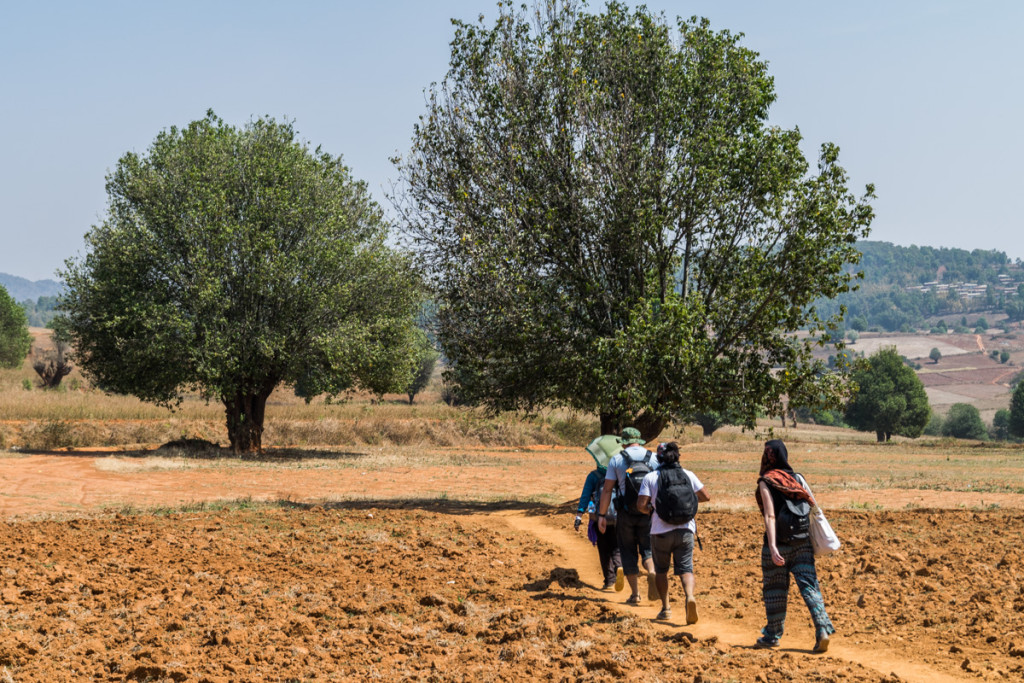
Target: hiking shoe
{"type": "Point", "coordinates": [620, 580]}
{"type": "Point", "coordinates": [822, 643]}
{"type": "Point", "coordinates": [652, 588]}
{"type": "Point", "coordinates": [691, 611]}
{"type": "Point", "coordinates": [765, 642]}
{"type": "Point", "coordinates": [608, 585]}
{"type": "Point", "coordinates": [664, 615]}
{"type": "Point", "coordinates": [633, 600]}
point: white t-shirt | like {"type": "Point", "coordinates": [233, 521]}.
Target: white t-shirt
{"type": "Point", "coordinates": [650, 488]}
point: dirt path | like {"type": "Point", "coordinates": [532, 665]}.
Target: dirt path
{"type": "Point", "coordinates": [574, 547]}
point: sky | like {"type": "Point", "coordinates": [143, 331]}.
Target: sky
{"type": "Point", "coordinates": [924, 98]}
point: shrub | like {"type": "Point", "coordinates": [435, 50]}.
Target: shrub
{"type": "Point", "coordinates": [964, 422]}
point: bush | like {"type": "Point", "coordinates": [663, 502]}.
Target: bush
{"type": "Point", "coordinates": [964, 422]}
{"type": "Point", "coordinates": [1001, 425]}
{"type": "Point", "coordinates": [934, 426]}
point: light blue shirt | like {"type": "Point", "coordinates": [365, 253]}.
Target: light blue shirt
{"type": "Point", "coordinates": [617, 465]}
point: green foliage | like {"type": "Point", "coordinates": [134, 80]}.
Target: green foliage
{"type": "Point", "coordinates": [1001, 425]}
{"type": "Point", "coordinates": [232, 260]}
{"type": "Point", "coordinates": [890, 398]}
{"type": "Point", "coordinates": [1004, 356]}
{"type": "Point", "coordinates": [610, 223]}
{"type": "Point", "coordinates": [934, 426]}
{"type": "Point", "coordinates": [963, 421]}
{"type": "Point", "coordinates": [424, 359]}
{"type": "Point", "coordinates": [1016, 422]}
{"type": "Point", "coordinates": [15, 340]}
{"type": "Point", "coordinates": [935, 354]}
{"type": "Point", "coordinates": [41, 311]}
{"type": "Point", "coordinates": [883, 300]}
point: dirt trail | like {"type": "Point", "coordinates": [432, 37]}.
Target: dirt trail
{"type": "Point", "coordinates": [575, 547]}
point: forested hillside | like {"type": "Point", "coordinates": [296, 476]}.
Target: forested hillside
{"type": "Point", "coordinates": [905, 288]}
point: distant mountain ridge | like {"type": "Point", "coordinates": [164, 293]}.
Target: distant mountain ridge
{"type": "Point", "coordinates": [21, 289]}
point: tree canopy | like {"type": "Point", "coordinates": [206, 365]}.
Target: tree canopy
{"type": "Point", "coordinates": [890, 398]}
{"type": "Point", "coordinates": [610, 223]}
{"type": "Point", "coordinates": [15, 340]}
{"type": "Point", "coordinates": [232, 260]}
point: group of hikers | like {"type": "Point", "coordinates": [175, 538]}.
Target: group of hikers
{"type": "Point", "coordinates": [642, 508]}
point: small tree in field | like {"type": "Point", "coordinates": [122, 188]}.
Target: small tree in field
{"type": "Point", "coordinates": [964, 422]}
{"type": "Point", "coordinates": [1001, 425]}
{"type": "Point", "coordinates": [935, 355]}
{"type": "Point", "coordinates": [424, 359]}
{"type": "Point", "coordinates": [890, 398]}
{"type": "Point", "coordinates": [15, 340]}
{"type": "Point", "coordinates": [232, 260]}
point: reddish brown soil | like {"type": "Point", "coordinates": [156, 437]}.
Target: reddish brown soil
{"type": "Point", "coordinates": [464, 591]}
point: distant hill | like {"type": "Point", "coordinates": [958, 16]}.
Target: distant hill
{"type": "Point", "coordinates": [21, 289]}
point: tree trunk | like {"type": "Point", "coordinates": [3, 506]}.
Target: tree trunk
{"type": "Point", "coordinates": [245, 412]}
{"type": "Point", "coordinates": [650, 426]}
{"type": "Point", "coordinates": [411, 397]}
{"type": "Point", "coordinates": [880, 435]}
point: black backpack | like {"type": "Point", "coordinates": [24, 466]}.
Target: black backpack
{"type": "Point", "coordinates": [676, 502]}
{"type": "Point", "coordinates": [792, 519]}
{"type": "Point", "coordinates": [635, 473]}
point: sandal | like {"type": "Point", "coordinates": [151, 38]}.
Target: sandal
{"type": "Point", "coordinates": [821, 644]}
{"type": "Point", "coordinates": [633, 600]}
{"type": "Point", "coordinates": [765, 642]}
{"type": "Point", "coordinates": [664, 615]}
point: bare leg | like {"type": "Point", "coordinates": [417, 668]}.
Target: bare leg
{"type": "Point", "coordinates": [631, 580]}
{"type": "Point", "coordinates": [689, 588]}
{"type": "Point", "coordinates": [662, 582]}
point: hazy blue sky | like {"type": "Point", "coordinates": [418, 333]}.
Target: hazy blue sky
{"type": "Point", "coordinates": [924, 98]}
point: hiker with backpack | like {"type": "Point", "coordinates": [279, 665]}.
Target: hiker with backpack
{"type": "Point", "coordinates": [606, 541]}
{"type": "Point", "coordinates": [786, 500]}
{"type": "Point", "coordinates": [626, 472]}
{"type": "Point", "coordinates": [671, 494]}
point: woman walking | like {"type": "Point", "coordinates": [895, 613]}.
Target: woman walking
{"type": "Point", "coordinates": [786, 501]}
{"type": "Point", "coordinates": [606, 541]}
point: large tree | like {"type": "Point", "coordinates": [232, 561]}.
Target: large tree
{"type": "Point", "coordinates": [890, 398]}
{"type": "Point", "coordinates": [232, 260]}
{"type": "Point", "coordinates": [15, 340]}
{"type": "Point", "coordinates": [611, 224]}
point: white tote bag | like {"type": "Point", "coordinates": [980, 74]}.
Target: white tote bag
{"type": "Point", "coordinates": [823, 538]}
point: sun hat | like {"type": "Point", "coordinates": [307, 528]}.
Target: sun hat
{"type": "Point", "coordinates": [631, 435]}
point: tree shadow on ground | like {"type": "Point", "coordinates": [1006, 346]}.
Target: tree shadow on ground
{"type": "Point", "coordinates": [444, 506]}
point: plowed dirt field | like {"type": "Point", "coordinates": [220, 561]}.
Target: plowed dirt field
{"type": "Point", "coordinates": [473, 575]}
